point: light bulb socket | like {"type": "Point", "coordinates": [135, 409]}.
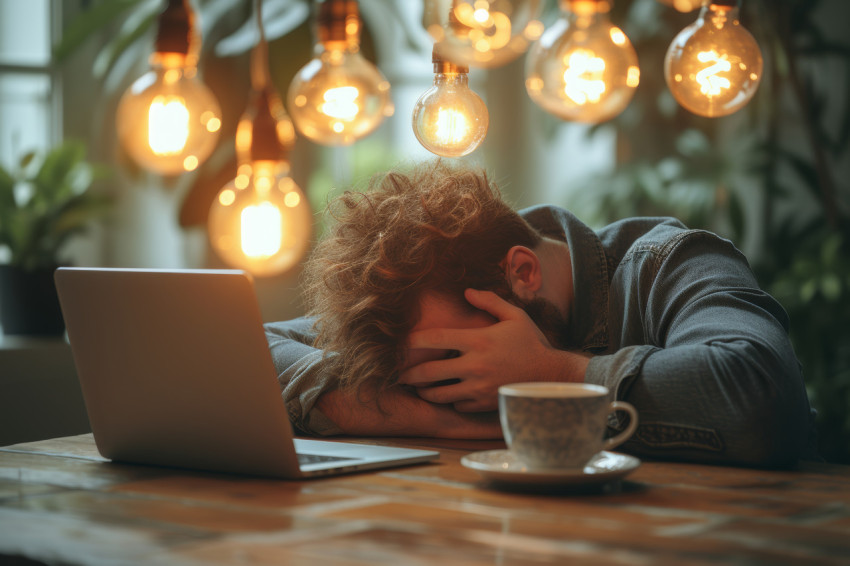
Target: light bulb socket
{"type": "Point", "coordinates": [261, 137]}
{"type": "Point", "coordinates": [442, 65]}
{"type": "Point", "coordinates": [586, 6]}
{"type": "Point", "coordinates": [723, 3]}
{"type": "Point", "coordinates": [337, 20]}
{"type": "Point", "coordinates": [459, 29]}
{"type": "Point", "coordinates": [174, 28]}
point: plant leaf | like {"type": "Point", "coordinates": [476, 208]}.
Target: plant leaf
{"type": "Point", "coordinates": [736, 216]}
{"type": "Point", "coordinates": [844, 130]}
{"type": "Point", "coordinates": [26, 159]}
{"type": "Point", "coordinates": [112, 51]}
{"type": "Point", "coordinates": [279, 19]}
{"type": "Point", "coordinates": [7, 190]}
{"type": "Point", "coordinates": [79, 211]}
{"type": "Point", "coordinates": [52, 181]}
{"type": "Point", "coordinates": [87, 23]}
{"type": "Point", "coordinates": [8, 206]}
{"type": "Point", "coordinates": [804, 168]}
{"type": "Point", "coordinates": [830, 286]}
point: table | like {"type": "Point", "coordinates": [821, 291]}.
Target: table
{"type": "Point", "coordinates": [61, 502]}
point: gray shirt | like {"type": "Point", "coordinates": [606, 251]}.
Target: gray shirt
{"type": "Point", "coordinates": [678, 327]}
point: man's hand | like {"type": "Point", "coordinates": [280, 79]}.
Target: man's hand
{"type": "Point", "coordinates": [510, 351]}
{"type": "Point", "coordinates": [398, 411]}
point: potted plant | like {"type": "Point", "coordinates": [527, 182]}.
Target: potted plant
{"type": "Point", "coordinates": [43, 202]}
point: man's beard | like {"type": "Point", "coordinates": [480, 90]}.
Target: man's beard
{"type": "Point", "coordinates": [548, 318]}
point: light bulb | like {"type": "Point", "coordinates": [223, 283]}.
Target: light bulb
{"type": "Point", "coordinates": [261, 221]}
{"type": "Point", "coordinates": [338, 97]}
{"type": "Point", "coordinates": [713, 67]}
{"type": "Point", "coordinates": [483, 33]}
{"type": "Point", "coordinates": [583, 68]}
{"type": "Point", "coordinates": [168, 121]}
{"type": "Point", "coordinates": [449, 119]}
{"type": "Point", "coordinates": [684, 5]}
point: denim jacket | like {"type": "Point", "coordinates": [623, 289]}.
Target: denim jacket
{"type": "Point", "coordinates": [677, 326]}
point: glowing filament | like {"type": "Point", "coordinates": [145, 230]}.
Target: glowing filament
{"type": "Point", "coordinates": [261, 230]}
{"type": "Point", "coordinates": [583, 77]}
{"type": "Point", "coordinates": [501, 32]}
{"type": "Point", "coordinates": [710, 83]}
{"type": "Point", "coordinates": [452, 126]}
{"type": "Point", "coordinates": [340, 102]}
{"type": "Point", "coordinates": [488, 30]}
{"type": "Point", "coordinates": [168, 125]}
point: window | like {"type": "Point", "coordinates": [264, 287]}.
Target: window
{"type": "Point", "coordinates": [30, 116]}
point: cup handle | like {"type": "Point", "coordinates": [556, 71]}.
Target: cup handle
{"type": "Point", "coordinates": [630, 429]}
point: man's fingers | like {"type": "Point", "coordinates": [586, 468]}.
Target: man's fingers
{"type": "Point", "coordinates": [432, 372]}
{"type": "Point", "coordinates": [444, 394]}
{"type": "Point", "coordinates": [493, 304]}
{"type": "Point", "coordinates": [457, 394]}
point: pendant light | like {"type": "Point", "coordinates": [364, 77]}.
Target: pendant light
{"type": "Point", "coordinates": [338, 97]}
{"type": "Point", "coordinates": [261, 221]}
{"type": "Point", "coordinates": [449, 119]}
{"type": "Point", "coordinates": [168, 121]}
{"type": "Point", "coordinates": [713, 67]}
{"type": "Point", "coordinates": [483, 33]}
{"type": "Point", "coordinates": [583, 68]}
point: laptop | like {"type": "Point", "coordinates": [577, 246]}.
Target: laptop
{"type": "Point", "coordinates": [175, 371]}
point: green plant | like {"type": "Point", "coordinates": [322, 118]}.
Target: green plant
{"type": "Point", "coordinates": [45, 201]}
{"type": "Point", "coordinates": [811, 278]}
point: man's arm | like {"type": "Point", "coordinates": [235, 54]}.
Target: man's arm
{"type": "Point", "coordinates": [316, 406]}
{"type": "Point", "coordinates": [396, 411]}
{"type": "Point", "coordinates": [712, 371]}
{"type": "Point", "coordinates": [302, 373]}
{"type": "Point", "coordinates": [706, 359]}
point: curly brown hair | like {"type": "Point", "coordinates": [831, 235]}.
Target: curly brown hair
{"type": "Point", "coordinates": [427, 227]}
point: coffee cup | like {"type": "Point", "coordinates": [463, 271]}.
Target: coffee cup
{"type": "Point", "coordinates": [559, 425]}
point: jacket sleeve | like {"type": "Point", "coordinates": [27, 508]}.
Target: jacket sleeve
{"type": "Point", "coordinates": [302, 373]}
{"type": "Point", "coordinates": [710, 368]}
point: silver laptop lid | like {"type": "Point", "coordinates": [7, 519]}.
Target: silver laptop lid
{"type": "Point", "coordinates": [175, 369]}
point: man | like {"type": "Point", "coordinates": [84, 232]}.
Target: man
{"type": "Point", "coordinates": [430, 292]}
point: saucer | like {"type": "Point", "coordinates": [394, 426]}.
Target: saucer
{"type": "Point", "coordinates": [502, 466]}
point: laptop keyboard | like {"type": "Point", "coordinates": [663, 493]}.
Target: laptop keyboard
{"type": "Point", "coordinates": [319, 459]}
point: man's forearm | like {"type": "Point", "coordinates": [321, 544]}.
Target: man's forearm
{"type": "Point", "coordinates": [397, 412]}
{"type": "Point", "coordinates": [717, 406]}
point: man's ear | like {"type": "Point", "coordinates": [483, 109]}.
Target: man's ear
{"type": "Point", "coordinates": [522, 268]}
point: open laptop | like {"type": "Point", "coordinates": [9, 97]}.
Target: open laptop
{"type": "Point", "coordinates": [175, 370]}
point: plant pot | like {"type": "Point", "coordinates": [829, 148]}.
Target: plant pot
{"type": "Point", "coordinates": [29, 304]}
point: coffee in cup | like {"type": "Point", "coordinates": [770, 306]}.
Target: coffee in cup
{"type": "Point", "coordinates": [559, 425]}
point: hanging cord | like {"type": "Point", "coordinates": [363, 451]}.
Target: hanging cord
{"type": "Point", "coordinates": [725, 3]}
{"type": "Point", "coordinates": [439, 59]}
{"type": "Point", "coordinates": [174, 28]}
{"type": "Point", "coordinates": [260, 78]}
{"type": "Point", "coordinates": [268, 140]}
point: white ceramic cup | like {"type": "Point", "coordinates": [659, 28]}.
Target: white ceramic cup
{"type": "Point", "coordinates": [559, 425]}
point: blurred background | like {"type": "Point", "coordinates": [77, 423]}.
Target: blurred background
{"type": "Point", "coordinates": [772, 177]}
